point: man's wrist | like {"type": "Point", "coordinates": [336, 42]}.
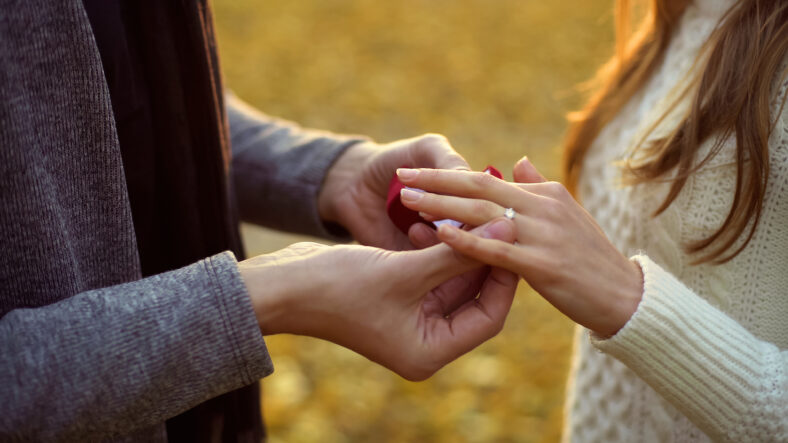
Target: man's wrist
{"type": "Point", "coordinates": [283, 284]}
{"type": "Point", "coordinates": [343, 174]}
{"type": "Point", "coordinates": [271, 290]}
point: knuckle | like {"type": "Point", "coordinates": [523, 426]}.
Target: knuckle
{"type": "Point", "coordinates": [306, 246]}
{"type": "Point", "coordinates": [468, 246]}
{"type": "Point", "coordinates": [435, 137]}
{"type": "Point", "coordinates": [552, 207]}
{"type": "Point", "coordinates": [556, 189]}
{"type": "Point", "coordinates": [458, 160]}
{"type": "Point", "coordinates": [481, 207]}
{"type": "Point", "coordinates": [500, 253]}
{"type": "Point", "coordinates": [497, 327]}
{"type": "Point", "coordinates": [550, 233]}
{"type": "Point", "coordinates": [482, 180]}
{"type": "Point", "coordinates": [493, 328]}
{"type": "Point", "coordinates": [470, 242]}
{"type": "Point", "coordinates": [432, 140]}
{"type": "Point", "coordinates": [418, 372]}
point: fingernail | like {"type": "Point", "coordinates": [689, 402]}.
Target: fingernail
{"type": "Point", "coordinates": [499, 230]}
{"type": "Point", "coordinates": [407, 174]}
{"type": "Point", "coordinates": [448, 232]}
{"type": "Point", "coordinates": [423, 235]}
{"type": "Point", "coordinates": [410, 195]}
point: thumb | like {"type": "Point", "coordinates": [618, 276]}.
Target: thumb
{"type": "Point", "coordinates": [526, 172]}
{"type": "Point", "coordinates": [436, 152]}
{"type": "Point", "coordinates": [422, 236]}
{"type": "Point", "coordinates": [441, 262]}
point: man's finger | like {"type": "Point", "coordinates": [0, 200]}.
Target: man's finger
{"type": "Point", "coordinates": [435, 151]}
{"type": "Point", "coordinates": [457, 291]}
{"type": "Point", "coordinates": [422, 236]}
{"type": "Point", "coordinates": [492, 305]}
{"type": "Point", "coordinates": [479, 319]}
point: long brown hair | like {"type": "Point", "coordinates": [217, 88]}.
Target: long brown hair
{"type": "Point", "coordinates": [730, 96]}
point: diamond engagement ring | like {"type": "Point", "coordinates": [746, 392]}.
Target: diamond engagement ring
{"type": "Point", "coordinates": [509, 213]}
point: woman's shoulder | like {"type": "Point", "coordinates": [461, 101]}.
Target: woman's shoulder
{"type": "Point", "coordinates": [778, 139]}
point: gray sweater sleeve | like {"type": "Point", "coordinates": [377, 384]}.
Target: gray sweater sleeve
{"type": "Point", "coordinates": [109, 361]}
{"type": "Point", "coordinates": [278, 169]}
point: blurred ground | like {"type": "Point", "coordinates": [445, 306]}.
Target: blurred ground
{"type": "Point", "coordinates": [496, 77]}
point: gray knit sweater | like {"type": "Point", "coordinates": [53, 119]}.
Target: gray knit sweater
{"type": "Point", "coordinates": [88, 349]}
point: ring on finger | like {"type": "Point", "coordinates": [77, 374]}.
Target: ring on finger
{"type": "Point", "coordinates": [509, 213]}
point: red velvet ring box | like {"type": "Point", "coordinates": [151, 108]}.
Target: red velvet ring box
{"type": "Point", "coordinates": [403, 217]}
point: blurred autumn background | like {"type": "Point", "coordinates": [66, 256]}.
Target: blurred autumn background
{"type": "Point", "coordinates": [495, 76]}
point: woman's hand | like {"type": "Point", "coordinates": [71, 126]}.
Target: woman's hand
{"type": "Point", "coordinates": [411, 311]}
{"type": "Point", "coordinates": [560, 250]}
{"type": "Point", "coordinates": [356, 187]}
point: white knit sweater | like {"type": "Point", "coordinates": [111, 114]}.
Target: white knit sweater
{"type": "Point", "coordinates": [706, 354]}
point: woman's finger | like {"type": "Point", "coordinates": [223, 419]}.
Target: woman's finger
{"type": "Point", "coordinates": [490, 251]}
{"type": "Point", "coordinates": [470, 211]}
{"type": "Point", "coordinates": [469, 184]}
{"type": "Point", "coordinates": [526, 172]}
{"type": "Point", "coordinates": [440, 263]}
{"type": "Point", "coordinates": [553, 190]}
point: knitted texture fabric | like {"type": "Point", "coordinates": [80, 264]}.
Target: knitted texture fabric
{"type": "Point", "coordinates": [705, 356]}
{"type": "Point", "coordinates": [89, 351]}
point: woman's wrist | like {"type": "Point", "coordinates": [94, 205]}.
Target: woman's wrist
{"type": "Point", "coordinates": [626, 295]}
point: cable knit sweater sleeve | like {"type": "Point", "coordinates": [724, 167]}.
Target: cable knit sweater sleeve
{"type": "Point", "coordinates": [728, 382]}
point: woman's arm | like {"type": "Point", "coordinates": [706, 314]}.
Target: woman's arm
{"type": "Point", "coordinates": [731, 384]}
{"type": "Point", "coordinates": [728, 382]}
{"type": "Point", "coordinates": [561, 251]}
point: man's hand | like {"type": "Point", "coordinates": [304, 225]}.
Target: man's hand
{"type": "Point", "coordinates": [406, 310]}
{"type": "Point", "coordinates": [354, 194]}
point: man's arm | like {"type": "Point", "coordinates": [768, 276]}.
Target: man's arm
{"type": "Point", "coordinates": [113, 360]}
{"type": "Point", "coordinates": [279, 168]}
{"type": "Point", "coordinates": [317, 183]}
